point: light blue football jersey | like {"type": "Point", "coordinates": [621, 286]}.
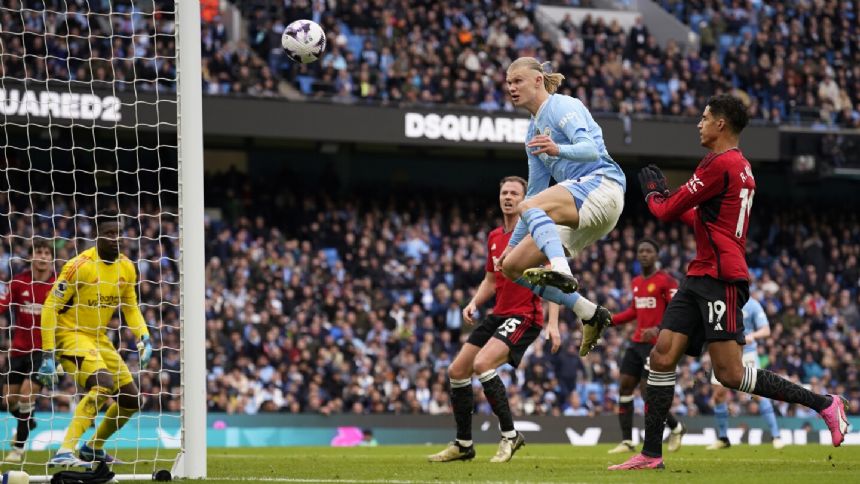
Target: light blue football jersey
{"type": "Point", "coordinates": [567, 121]}
{"type": "Point", "coordinates": [754, 319]}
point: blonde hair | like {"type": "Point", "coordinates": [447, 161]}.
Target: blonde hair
{"type": "Point", "coordinates": [551, 80]}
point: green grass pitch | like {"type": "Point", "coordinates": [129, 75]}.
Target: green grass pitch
{"type": "Point", "coordinates": [533, 463]}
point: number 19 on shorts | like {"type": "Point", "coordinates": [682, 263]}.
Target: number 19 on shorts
{"type": "Point", "coordinates": [716, 308]}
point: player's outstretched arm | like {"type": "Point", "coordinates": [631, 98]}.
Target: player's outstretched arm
{"type": "Point", "coordinates": [625, 316]}
{"type": "Point", "coordinates": [705, 183]}
{"type": "Point", "coordinates": [486, 289]}
{"type": "Point", "coordinates": [552, 331]}
{"type": "Point", "coordinates": [133, 316]}
{"type": "Point", "coordinates": [64, 289]}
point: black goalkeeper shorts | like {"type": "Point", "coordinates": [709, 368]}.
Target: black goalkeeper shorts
{"type": "Point", "coordinates": [707, 309]}
{"type": "Point", "coordinates": [518, 332]}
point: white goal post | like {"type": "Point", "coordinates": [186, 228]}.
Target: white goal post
{"type": "Point", "coordinates": [191, 462]}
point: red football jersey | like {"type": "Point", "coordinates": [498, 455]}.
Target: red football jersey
{"type": "Point", "coordinates": [650, 297]}
{"type": "Point", "coordinates": [716, 202]}
{"type": "Point", "coordinates": [26, 297]}
{"type": "Point", "coordinates": [511, 298]}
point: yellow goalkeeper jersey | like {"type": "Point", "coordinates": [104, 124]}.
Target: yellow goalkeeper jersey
{"type": "Point", "coordinates": [86, 296]}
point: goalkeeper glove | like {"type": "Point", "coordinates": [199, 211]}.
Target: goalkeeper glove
{"type": "Point", "coordinates": [653, 182]}
{"type": "Point", "coordinates": [144, 351]}
{"type": "Point", "coordinates": [48, 371]}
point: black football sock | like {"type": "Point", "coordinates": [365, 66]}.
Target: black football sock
{"type": "Point", "coordinates": [24, 414]}
{"type": "Point", "coordinates": [463, 401]}
{"type": "Point", "coordinates": [625, 416]}
{"type": "Point", "coordinates": [671, 421]}
{"type": "Point", "coordinates": [497, 396]}
{"type": "Point", "coordinates": [770, 385]}
{"type": "Point", "coordinates": [658, 399]}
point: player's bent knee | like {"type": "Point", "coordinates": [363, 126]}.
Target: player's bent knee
{"type": "Point", "coordinates": [129, 397]}
{"type": "Point", "coordinates": [511, 270]}
{"type": "Point", "coordinates": [525, 205]}
{"type": "Point", "coordinates": [485, 364]}
{"type": "Point", "coordinates": [659, 360]}
{"type": "Point", "coordinates": [101, 379]}
{"type": "Point", "coordinates": [130, 402]}
{"type": "Point", "coordinates": [728, 378]}
{"type": "Point", "coordinates": [459, 372]}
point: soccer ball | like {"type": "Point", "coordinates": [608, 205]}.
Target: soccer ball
{"type": "Point", "coordinates": [303, 41]}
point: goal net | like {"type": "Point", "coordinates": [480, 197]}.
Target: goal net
{"type": "Point", "coordinates": [92, 106]}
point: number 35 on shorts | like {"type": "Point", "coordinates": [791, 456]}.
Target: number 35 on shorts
{"type": "Point", "coordinates": [509, 326]}
{"type": "Point", "coordinates": [716, 311]}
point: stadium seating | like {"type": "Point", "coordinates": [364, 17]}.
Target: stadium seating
{"type": "Point", "coordinates": [394, 54]}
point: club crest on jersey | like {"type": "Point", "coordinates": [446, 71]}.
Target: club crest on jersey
{"type": "Point", "coordinates": [60, 291]}
{"type": "Point", "coordinates": [651, 287]}
{"type": "Point", "coordinates": [694, 183]}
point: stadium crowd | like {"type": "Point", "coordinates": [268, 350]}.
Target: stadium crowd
{"type": "Point", "coordinates": [353, 306]}
{"type": "Point", "coordinates": [120, 46]}
{"type": "Point", "coordinates": [792, 61]}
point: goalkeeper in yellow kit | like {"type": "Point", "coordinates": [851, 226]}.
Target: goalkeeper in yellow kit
{"type": "Point", "coordinates": [75, 319]}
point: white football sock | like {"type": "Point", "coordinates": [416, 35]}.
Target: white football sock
{"type": "Point", "coordinates": [559, 264]}
{"type": "Point", "coordinates": [584, 308]}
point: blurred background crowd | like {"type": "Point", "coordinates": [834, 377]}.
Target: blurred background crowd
{"type": "Point", "coordinates": [792, 62]}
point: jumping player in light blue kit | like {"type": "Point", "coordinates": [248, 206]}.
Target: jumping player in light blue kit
{"type": "Point", "coordinates": [756, 327]}
{"type": "Point", "coordinates": [565, 144]}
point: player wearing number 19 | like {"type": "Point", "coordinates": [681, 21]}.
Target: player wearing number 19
{"type": "Point", "coordinates": [716, 201]}
{"type": "Point", "coordinates": [75, 317]}
{"type": "Point", "coordinates": [502, 337]}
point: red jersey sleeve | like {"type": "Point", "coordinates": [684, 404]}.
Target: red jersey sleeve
{"type": "Point", "coordinates": [670, 288]}
{"type": "Point", "coordinates": [625, 316]}
{"type": "Point", "coordinates": [706, 183]}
